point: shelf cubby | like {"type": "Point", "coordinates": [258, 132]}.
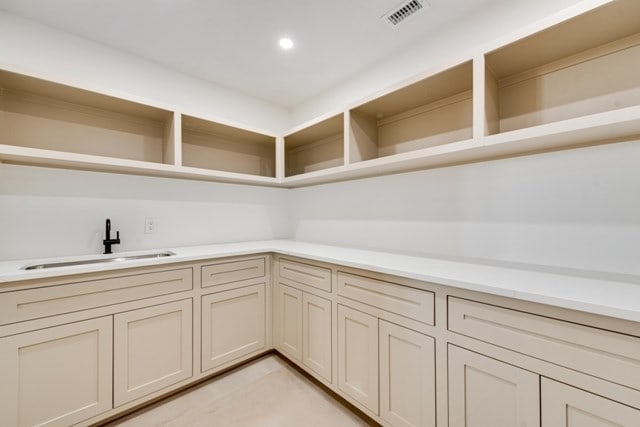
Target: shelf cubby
{"type": "Point", "coordinates": [586, 65]}
{"type": "Point", "coordinates": [217, 147]}
{"type": "Point", "coordinates": [314, 148]}
{"type": "Point", "coordinates": [434, 111]}
{"type": "Point", "coordinates": [38, 115]}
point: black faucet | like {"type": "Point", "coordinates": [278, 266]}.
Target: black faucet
{"type": "Point", "coordinates": [108, 241]}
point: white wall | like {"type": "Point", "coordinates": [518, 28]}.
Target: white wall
{"type": "Point", "coordinates": [578, 208]}
{"type": "Point", "coordinates": [54, 212]}
{"type": "Point", "coordinates": [31, 48]}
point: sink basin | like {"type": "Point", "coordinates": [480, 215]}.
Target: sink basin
{"type": "Point", "coordinates": [98, 260]}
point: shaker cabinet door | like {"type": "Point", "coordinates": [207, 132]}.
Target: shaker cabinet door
{"type": "Point", "coordinates": [290, 321]}
{"type": "Point", "coordinates": [316, 335]}
{"type": "Point", "coordinates": [485, 392]}
{"type": "Point", "coordinates": [566, 406]}
{"type": "Point", "coordinates": [56, 376]}
{"type": "Point", "coordinates": [153, 349]}
{"type": "Point", "coordinates": [407, 377]}
{"type": "Point", "coordinates": [358, 356]}
{"type": "Point", "coordinates": [233, 325]}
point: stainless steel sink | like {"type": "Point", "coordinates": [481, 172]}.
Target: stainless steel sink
{"type": "Point", "coordinates": [98, 260]}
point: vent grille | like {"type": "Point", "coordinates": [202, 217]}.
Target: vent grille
{"type": "Point", "coordinates": [399, 14]}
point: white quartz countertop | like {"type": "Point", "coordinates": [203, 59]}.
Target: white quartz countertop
{"type": "Point", "coordinates": [616, 296]}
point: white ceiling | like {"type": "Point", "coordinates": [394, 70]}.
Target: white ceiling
{"type": "Point", "coordinates": [234, 43]}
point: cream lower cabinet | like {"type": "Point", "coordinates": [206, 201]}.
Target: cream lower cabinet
{"type": "Point", "coordinates": [566, 406]}
{"type": "Point", "coordinates": [56, 376]}
{"type": "Point", "coordinates": [358, 356]}
{"type": "Point", "coordinates": [289, 321]}
{"type": "Point", "coordinates": [233, 325]}
{"type": "Point", "coordinates": [407, 377]}
{"type": "Point", "coordinates": [484, 392]}
{"type": "Point", "coordinates": [304, 329]}
{"type": "Point", "coordinates": [316, 335]}
{"type": "Point", "coordinates": [153, 349]}
{"type": "Point", "coordinates": [387, 368]}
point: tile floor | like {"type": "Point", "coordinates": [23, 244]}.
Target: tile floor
{"type": "Point", "coordinates": [266, 393]}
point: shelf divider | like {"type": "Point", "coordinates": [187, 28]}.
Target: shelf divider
{"type": "Point", "coordinates": [173, 143]}
{"type": "Point", "coordinates": [280, 158]}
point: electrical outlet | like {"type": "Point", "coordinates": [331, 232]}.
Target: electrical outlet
{"type": "Point", "coordinates": [150, 225]}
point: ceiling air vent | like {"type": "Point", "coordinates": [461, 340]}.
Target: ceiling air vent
{"type": "Point", "coordinates": [403, 11]}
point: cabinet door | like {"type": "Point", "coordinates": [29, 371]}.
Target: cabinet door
{"type": "Point", "coordinates": [407, 377]}
{"type": "Point", "coordinates": [566, 406]}
{"type": "Point", "coordinates": [316, 335]}
{"type": "Point", "coordinates": [152, 348]}
{"type": "Point", "coordinates": [290, 321]}
{"type": "Point", "coordinates": [56, 376]}
{"type": "Point", "coordinates": [485, 392]}
{"type": "Point", "coordinates": [233, 325]}
{"type": "Point", "coordinates": [358, 356]}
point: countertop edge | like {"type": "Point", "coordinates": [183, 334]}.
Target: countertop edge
{"type": "Point", "coordinates": [596, 296]}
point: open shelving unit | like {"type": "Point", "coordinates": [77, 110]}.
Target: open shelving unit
{"type": "Point", "coordinates": [316, 147]}
{"type": "Point", "coordinates": [217, 147]}
{"type": "Point", "coordinates": [584, 66]}
{"type": "Point", "coordinates": [39, 117]}
{"type": "Point", "coordinates": [52, 124]}
{"type": "Point", "coordinates": [569, 81]}
{"type": "Point", "coordinates": [573, 83]}
{"type": "Point", "coordinates": [434, 111]}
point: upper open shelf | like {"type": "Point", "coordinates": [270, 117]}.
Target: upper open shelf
{"type": "Point", "coordinates": [434, 111]}
{"type": "Point", "coordinates": [44, 122]}
{"type": "Point", "coordinates": [317, 147]}
{"type": "Point", "coordinates": [41, 115]}
{"type": "Point", "coordinates": [214, 146]}
{"type": "Point", "coordinates": [571, 84]}
{"type": "Point", "coordinates": [586, 65]}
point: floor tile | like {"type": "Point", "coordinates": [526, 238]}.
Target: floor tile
{"type": "Point", "coordinates": [265, 393]}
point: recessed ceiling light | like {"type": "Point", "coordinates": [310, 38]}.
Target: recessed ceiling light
{"type": "Point", "coordinates": [285, 43]}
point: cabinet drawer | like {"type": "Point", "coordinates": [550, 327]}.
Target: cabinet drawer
{"type": "Point", "coordinates": [30, 304]}
{"type": "Point", "coordinates": [402, 300]}
{"type": "Point", "coordinates": [305, 274]}
{"type": "Point", "coordinates": [604, 354]}
{"type": "Point", "coordinates": [233, 271]}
